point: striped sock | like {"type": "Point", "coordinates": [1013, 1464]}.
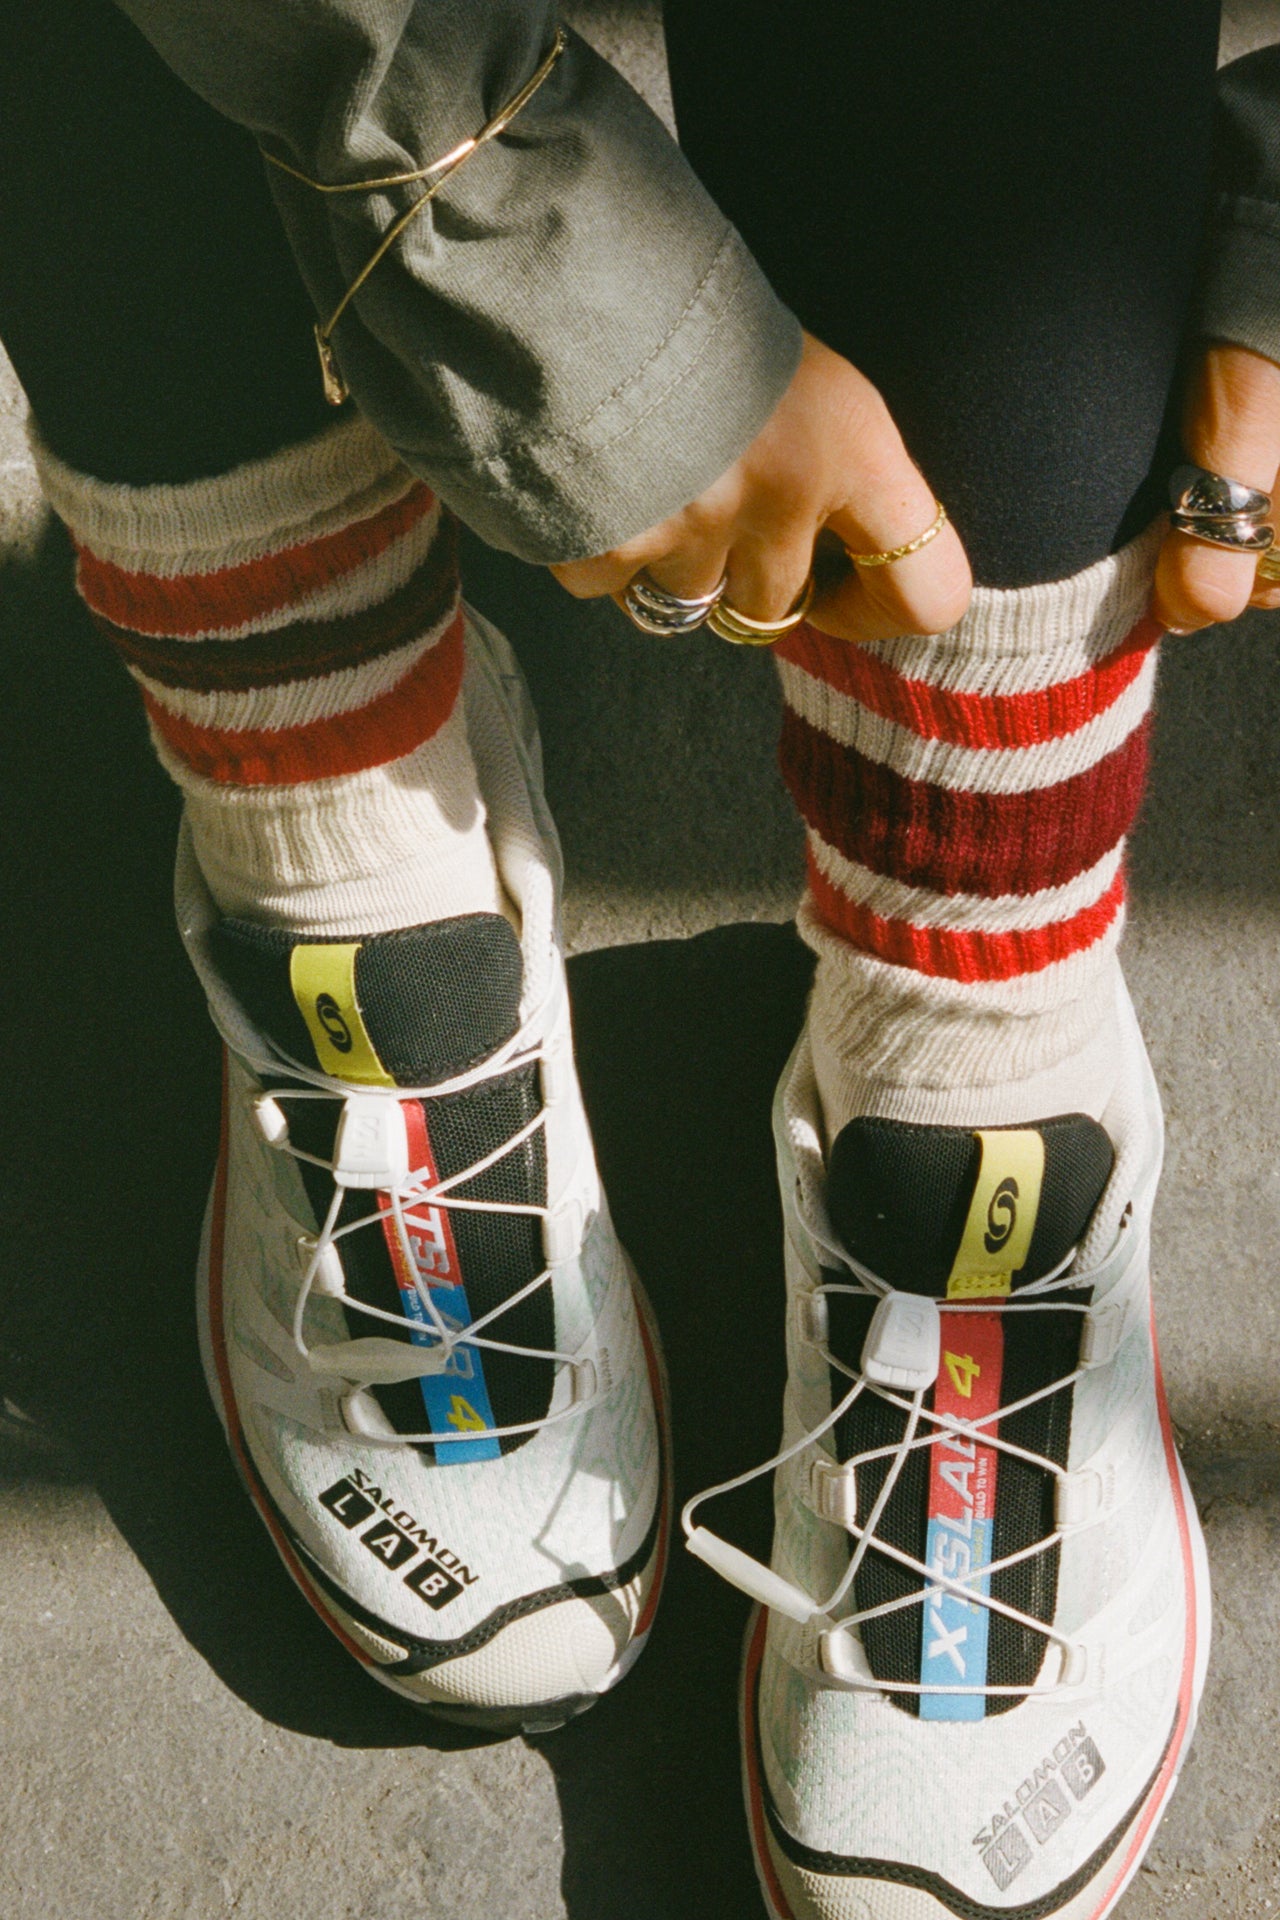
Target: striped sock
{"type": "Point", "coordinates": [967, 799]}
{"type": "Point", "coordinates": [296, 630]}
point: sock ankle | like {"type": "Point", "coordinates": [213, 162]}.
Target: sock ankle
{"type": "Point", "coordinates": [966, 799]}
{"type": "Point", "coordinates": [296, 630]}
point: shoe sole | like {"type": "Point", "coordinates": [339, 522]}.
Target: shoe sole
{"type": "Point", "coordinates": [1142, 1828]}
{"type": "Point", "coordinates": [538, 1716]}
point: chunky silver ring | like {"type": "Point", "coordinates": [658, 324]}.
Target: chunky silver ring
{"type": "Point", "coordinates": [1241, 534]}
{"type": "Point", "coordinates": [668, 615]}
{"type": "Point", "coordinates": [1198, 494]}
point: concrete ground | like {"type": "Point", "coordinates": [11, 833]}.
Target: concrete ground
{"type": "Point", "coordinates": [179, 1737]}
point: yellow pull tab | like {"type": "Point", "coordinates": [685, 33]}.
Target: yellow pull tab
{"type": "Point", "coordinates": [323, 979]}
{"type": "Point", "coordinates": [1002, 1215]}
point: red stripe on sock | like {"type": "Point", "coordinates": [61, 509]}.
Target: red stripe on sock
{"type": "Point", "coordinates": [951, 954]}
{"type": "Point", "coordinates": [192, 603]}
{"type": "Point", "coordinates": [386, 729]}
{"type": "Point", "coordinates": [954, 841]}
{"type": "Point", "coordinates": [305, 650]}
{"type": "Point", "coordinates": [969, 719]}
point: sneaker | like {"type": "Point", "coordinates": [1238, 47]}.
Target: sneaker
{"type": "Point", "coordinates": [974, 1669]}
{"type": "Point", "coordinates": [431, 1356]}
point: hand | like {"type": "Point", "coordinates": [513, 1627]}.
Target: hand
{"type": "Point", "coordinates": [828, 456]}
{"type": "Point", "coordinates": [1231, 424]}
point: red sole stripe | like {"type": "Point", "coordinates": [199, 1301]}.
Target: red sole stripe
{"type": "Point", "coordinates": [953, 841]}
{"type": "Point", "coordinates": [230, 597]}
{"type": "Point", "coordinates": [952, 954]}
{"type": "Point", "coordinates": [1186, 1686]}
{"type": "Point", "coordinates": [751, 1766]}
{"type": "Point", "coordinates": [657, 1386]}
{"type": "Point", "coordinates": [386, 729]}
{"type": "Point", "coordinates": [970, 719]}
{"type": "Point", "coordinates": [306, 649]}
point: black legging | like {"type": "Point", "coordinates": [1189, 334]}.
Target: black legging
{"type": "Point", "coordinates": [993, 208]}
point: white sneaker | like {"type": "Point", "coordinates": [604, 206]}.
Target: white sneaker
{"type": "Point", "coordinates": [975, 1670]}
{"type": "Point", "coordinates": [430, 1353]}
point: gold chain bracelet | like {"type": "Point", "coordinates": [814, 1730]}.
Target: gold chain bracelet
{"type": "Point", "coordinates": [335, 387]}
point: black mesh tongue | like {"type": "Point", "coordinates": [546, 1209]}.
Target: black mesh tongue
{"type": "Point", "coordinates": [421, 1004]}
{"type": "Point", "coordinates": [900, 1196]}
{"type": "Point", "coordinates": [968, 1216]}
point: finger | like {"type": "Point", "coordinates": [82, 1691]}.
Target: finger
{"type": "Point", "coordinates": [924, 592]}
{"type": "Point", "coordinates": [889, 503]}
{"type": "Point", "coordinates": [691, 570]}
{"type": "Point", "coordinates": [766, 578]}
{"type": "Point", "coordinates": [606, 572]}
{"type": "Point", "coordinates": [1232, 427]}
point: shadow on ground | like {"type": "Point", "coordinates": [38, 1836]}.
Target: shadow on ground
{"type": "Point", "coordinates": [108, 1138]}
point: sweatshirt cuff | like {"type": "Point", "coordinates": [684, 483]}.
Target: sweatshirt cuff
{"type": "Point", "coordinates": [652, 444]}
{"type": "Point", "coordinates": [1240, 299]}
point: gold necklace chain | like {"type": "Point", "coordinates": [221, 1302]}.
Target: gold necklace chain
{"type": "Point", "coordinates": [440, 171]}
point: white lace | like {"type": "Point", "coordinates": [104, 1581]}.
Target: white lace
{"type": "Point", "coordinates": [368, 1361]}
{"type": "Point", "coordinates": [1033, 1298]}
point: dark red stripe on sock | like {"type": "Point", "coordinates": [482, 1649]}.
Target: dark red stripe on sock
{"type": "Point", "coordinates": [231, 597]}
{"type": "Point", "coordinates": [306, 649]}
{"type": "Point", "coordinates": [951, 954]}
{"type": "Point", "coordinates": [953, 841]}
{"type": "Point", "coordinates": [370, 736]}
{"type": "Point", "coordinates": [969, 719]}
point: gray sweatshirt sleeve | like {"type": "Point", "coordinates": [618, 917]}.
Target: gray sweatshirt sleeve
{"type": "Point", "coordinates": [1241, 295]}
{"type": "Point", "coordinates": [570, 342]}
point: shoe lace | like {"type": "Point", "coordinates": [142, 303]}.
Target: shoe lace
{"type": "Point", "coordinates": [924, 1428]}
{"type": "Point", "coordinates": [406, 1194]}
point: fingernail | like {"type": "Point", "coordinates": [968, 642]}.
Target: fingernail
{"type": "Point", "coordinates": [1180, 632]}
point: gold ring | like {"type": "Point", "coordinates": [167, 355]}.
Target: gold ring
{"type": "Point", "coordinates": [746, 632]}
{"type": "Point", "coordinates": [1269, 564]}
{"type": "Point", "coordinates": [890, 554]}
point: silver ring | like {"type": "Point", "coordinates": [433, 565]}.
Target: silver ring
{"type": "Point", "coordinates": [1199, 494]}
{"type": "Point", "coordinates": [1242, 533]}
{"type": "Point", "coordinates": [668, 615]}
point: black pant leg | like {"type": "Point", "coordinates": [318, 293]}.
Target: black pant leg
{"type": "Point", "coordinates": [148, 298]}
{"type": "Point", "coordinates": [994, 210]}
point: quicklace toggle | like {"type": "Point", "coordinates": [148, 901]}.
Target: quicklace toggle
{"type": "Point", "coordinates": [903, 1347]}
{"type": "Point", "coordinates": [327, 1276]}
{"type": "Point", "coordinates": [751, 1576]}
{"type": "Point", "coordinates": [268, 1117]}
{"type": "Point", "coordinates": [833, 1492]}
{"type": "Point", "coordinates": [372, 1147]}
